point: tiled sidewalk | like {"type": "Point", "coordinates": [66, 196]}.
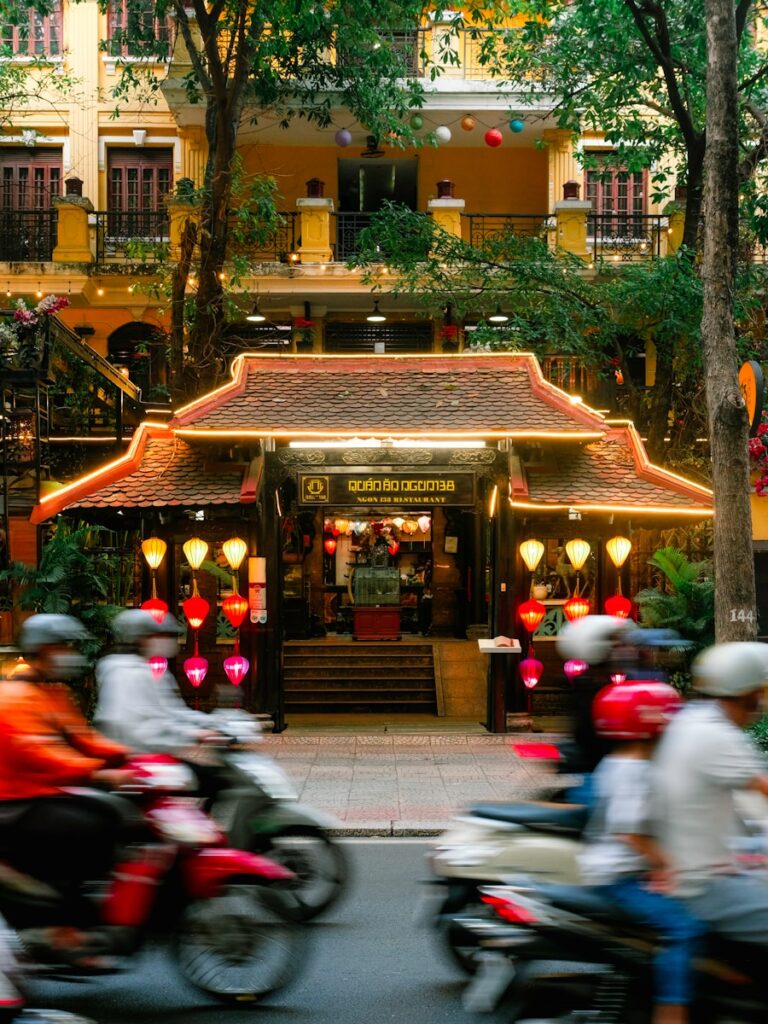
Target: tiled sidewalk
{"type": "Point", "coordinates": [411, 784]}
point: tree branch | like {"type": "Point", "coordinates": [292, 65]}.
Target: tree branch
{"type": "Point", "coordinates": [194, 53]}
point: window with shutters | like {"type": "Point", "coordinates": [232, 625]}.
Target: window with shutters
{"type": "Point", "coordinates": [617, 196]}
{"type": "Point", "coordinates": [29, 179]}
{"type": "Point", "coordinates": [135, 30]}
{"type": "Point", "coordinates": [138, 181]}
{"type": "Point", "coordinates": [28, 33]}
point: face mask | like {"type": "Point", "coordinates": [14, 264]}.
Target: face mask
{"type": "Point", "coordinates": [67, 665]}
{"type": "Point", "coordinates": [162, 647]}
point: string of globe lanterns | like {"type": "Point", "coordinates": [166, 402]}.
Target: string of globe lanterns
{"type": "Point", "coordinates": [196, 608]}
{"type": "Point", "coordinates": [442, 133]}
{"type": "Point", "coordinates": [387, 529]}
{"type": "Point", "coordinates": [532, 612]}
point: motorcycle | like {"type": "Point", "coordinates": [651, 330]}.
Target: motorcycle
{"type": "Point", "coordinates": [221, 910]}
{"type": "Point", "coordinates": [258, 807]}
{"type": "Point", "coordinates": [567, 950]}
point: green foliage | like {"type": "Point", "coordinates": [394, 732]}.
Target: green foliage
{"type": "Point", "coordinates": [683, 599]}
{"type": "Point", "coordinates": [759, 733]}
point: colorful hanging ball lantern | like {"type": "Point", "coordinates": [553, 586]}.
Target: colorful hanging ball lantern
{"type": "Point", "coordinates": [530, 671]}
{"type": "Point", "coordinates": [424, 523]}
{"type": "Point", "coordinates": [330, 545]}
{"type": "Point", "coordinates": [196, 609]}
{"type": "Point", "coordinates": [158, 665]}
{"type": "Point", "coordinates": [156, 607]}
{"type": "Point", "coordinates": [235, 549]}
{"type": "Point", "coordinates": [532, 614]}
{"type": "Point", "coordinates": [468, 123]}
{"type": "Point", "coordinates": [493, 138]}
{"type": "Point", "coordinates": [196, 669]}
{"type": "Point", "coordinates": [516, 125]}
{"type": "Point", "coordinates": [573, 668]}
{"type": "Point", "coordinates": [417, 122]}
{"type": "Point", "coordinates": [236, 668]}
{"type": "Point", "coordinates": [393, 547]}
{"type": "Point", "coordinates": [410, 526]}
{"type": "Point", "coordinates": [234, 607]}
{"type": "Point", "coordinates": [342, 525]}
{"type": "Point", "coordinates": [618, 606]}
{"type": "Point", "coordinates": [343, 138]}
{"type": "Point", "coordinates": [443, 133]}
{"type": "Point", "coordinates": [576, 608]}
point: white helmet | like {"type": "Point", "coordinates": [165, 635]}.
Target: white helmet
{"type": "Point", "coordinates": [592, 638]}
{"type": "Point", "coordinates": [49, 628]}
{"type": "Point", "coordinates": [133, 625]}
{"type": "Point", "coordinates": [732, 669]}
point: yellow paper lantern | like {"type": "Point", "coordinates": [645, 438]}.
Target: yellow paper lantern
{"type": "Point", "coordinates": [578, 551]}
{"type": "Point", "coordinates": [153, 550]}
{"type": "Point", "coordinates": [618, 549]}
{"type": "Point", "coordinates": [235, 549]}
{"type": "Point", "coordinates": [410, 526]}
{"type": "Point", "coordinates": [195, 551]}
{"type": "Point", "coordinates": [531, 552]}
{"type": "Point", "coordinates": [342, 525]}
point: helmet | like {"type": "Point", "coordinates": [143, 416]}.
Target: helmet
{"type": "Point", "coordinates": [168, 626]}
{"type": "Point", "coordinates": [634, 710]}
{"type": "Point", "coordinates": [133, 625]}
{"type": "Point", "coordinates": [732, 669]}
{"type": "Point", "coordinates": [46, 629]}
{"type": "Point", "coordinates": [591, 639]}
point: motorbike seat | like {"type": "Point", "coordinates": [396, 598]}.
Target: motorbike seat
{"type": "Point", "coordinates": [563, 819]}
{"type": "Point", "coordinates": [585, 901]}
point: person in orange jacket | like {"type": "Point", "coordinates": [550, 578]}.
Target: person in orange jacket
{"type": "Point", "coordinates": [45, 747]}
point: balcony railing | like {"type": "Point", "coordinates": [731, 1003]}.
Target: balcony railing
{"type": "Point", "coordinates": [27, 236]}
{"type": "Point", "coordinates": [349, 227]}
{"type": "Point", "coordinates": [131, 235]}
{"type": "Point", "coordinates": [625, 237]}
{"type": "Point", "coordinates": [275, 247]}
{"type": "Point", "coordinates": [483, 226]}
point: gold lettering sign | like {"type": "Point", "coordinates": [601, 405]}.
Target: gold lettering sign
{"type": "Point", "coordinates": [314, 490]}
{"type": "Point", "coordinates": [387, 489]}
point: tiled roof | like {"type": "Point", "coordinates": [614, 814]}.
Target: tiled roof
{"type": "Point", "coordinates": [613, 472]}
{"type": "Point", "coordinates": [390, 395]}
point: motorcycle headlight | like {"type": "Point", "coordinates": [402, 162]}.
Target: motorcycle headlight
{"type": "Point", "coordinates": [267, 775]}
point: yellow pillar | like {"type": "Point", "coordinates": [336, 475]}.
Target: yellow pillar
{"type": "Point", "coordinates": [194, 153]}
{"type": "Point", "coordinates": [446, 213]}
{"type": "Point", "coordinates": [73, 243]}
{"type": "Point", "coordinates": [562, 164]}
{"type": "Point", "coordinates": [571, 232]}
{"type": "Point", "coordinates": [315, 217]}
{"type": "Point", "coordinates": [83, 31]}
{"type": "Point", "coordinates": [759, 516]}
{"type": "Point", "coordinates": [179, 212]}
{"type": "Point", "coordinates": [676, 214]}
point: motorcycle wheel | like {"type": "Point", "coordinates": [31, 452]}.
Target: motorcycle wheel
{"type": "Point", "coordinates": [241, 945]}
{"type": "Point", "coordinates": [320, 864]}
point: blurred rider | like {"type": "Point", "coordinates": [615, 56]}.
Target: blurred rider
{"type": "Point", "coordinates": [703, 758]}
{"type": "Point", "coordinates": [133, 706]}
{"type": "Point", "coordinates": [45, 746]}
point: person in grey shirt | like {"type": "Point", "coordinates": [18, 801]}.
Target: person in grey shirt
{"type": "Point", "coordinates": [703, 758]}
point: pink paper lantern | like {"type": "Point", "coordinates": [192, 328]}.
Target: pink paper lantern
{"type": "Point", "coordinates": [530, 671]}
{"type": "Point", "coordinates": [236, 668]}
{"type": "Point", "coordinates": [158, 665]}
{"type": "Point", "coordinates": [574, 667]}
{"type": "Point", "coordinates": [196, 669]}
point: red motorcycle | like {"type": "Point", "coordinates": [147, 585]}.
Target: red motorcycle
{"type": "Point", "coordinates": [225, 913]}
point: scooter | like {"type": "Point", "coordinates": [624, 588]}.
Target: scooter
{"type": "Point", "coordinates": [257, 805]}
{"type": "Point", "coordinates": [221, 910]}
{"type": "Point", "coordinates": [566, 951]}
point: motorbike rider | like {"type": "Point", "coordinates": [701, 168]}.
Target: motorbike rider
{"type": "Point", "coordinates": [622, 858]}
{"type": "Point", "coordinates": [45, 746]}
{"type": "Point", "coordinates": [703, 758]}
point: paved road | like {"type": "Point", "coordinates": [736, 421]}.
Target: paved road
{"type": "Point", "coordinates": [369, 965]}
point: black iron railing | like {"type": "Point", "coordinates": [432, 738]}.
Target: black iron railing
{"type": "Point", "coordinates": [625, 237]}
{"type": "Point", "coordinates": [349, 227]}
{"type": "Point", "coordinates": [273, 247]}
{"type": "Point", "coordinates": [27, 235]}
{"type": "Point", "coordinates": [132, 235]}
{"type": "Point", "coordinates": [484, 226]}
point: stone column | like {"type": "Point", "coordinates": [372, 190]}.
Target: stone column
{"type": "Point", "coordinates": [563, 165]}
{"type": "Point", "coordinates": [315, 229]}
{"type": "Point", "coordinates": [194, 153]}
{"type": "Point", "coordinates": [73, 243]}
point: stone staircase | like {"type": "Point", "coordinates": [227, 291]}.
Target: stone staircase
{"type": "Point", "coordinates": [339, 677]}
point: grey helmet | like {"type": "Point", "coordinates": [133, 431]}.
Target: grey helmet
{"type": "Point", "coordinates": [169, 626]}
{"type": "Point", "coordinates": [731, 670]}
{"type": "Point", "coordinates": [46, 629]}
{"type": "Point", "coordinates": [592, 638]}
{"type": "Point", "coordinates": [133, 625]}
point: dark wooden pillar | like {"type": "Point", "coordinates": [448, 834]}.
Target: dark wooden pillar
{"type": "Point", "coordinates": [271, 686]}
{"type": "Point", "coordinates": [503, 685]}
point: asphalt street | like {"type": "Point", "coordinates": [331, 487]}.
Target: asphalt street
{"type": "Point", "coordinates": [369, 962]}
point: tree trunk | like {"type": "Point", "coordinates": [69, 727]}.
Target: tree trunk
{"type": "Point", "coordinates": [179, 279]}
{"type": "Point", "coordinates": [660, 403]}
{"type": "Point", "coordinates": [694, 185]}
{"type": "Point", "coordinates": [735, 611]}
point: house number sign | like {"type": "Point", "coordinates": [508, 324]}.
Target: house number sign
{"type": "Point", "coordinates": [382, 489]}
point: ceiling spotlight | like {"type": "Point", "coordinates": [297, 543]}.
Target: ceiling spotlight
{"type": "Point", "coordinates": [256, 316]}
{"type": "Point", "coordinates": [498, 317]}
{"type": "Point", "coordinates": [376, 316]}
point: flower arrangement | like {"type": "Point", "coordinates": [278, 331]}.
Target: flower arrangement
{"type": "Point", "coordinates": [758, 456]}
{"type": "Point", "coordinates": [20, 339]}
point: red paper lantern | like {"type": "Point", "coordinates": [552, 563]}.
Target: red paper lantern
{"type": "Point", "coordinates": [532, 614]}
{"type": "Point", "coordinates": [619, 606]}
{"type": "Point", "coordinates": [157, 665]}
{"type": "Point", "coordinates": [196, 609]}
{"type": "Point", "coordinates": [236, 668]}
{"type": "Point", "coordinates": [330, 545]}
{"type": "Point", "coordinates": [530, 671]}
{"type": "Point", "coordinates": [157, 609]}
{"type": "Point", "coordinates": [493, 138]}
{"type": "Point", "coordinates": [574, 667]}
{"type": "Point", "coordinates": [393, 547]}
{"type": "Point", "coordinates": [234, 607]}
{"type": "Point", "coordinates": [576, 608]}
{"type": "Point", "coordinates": [195, 669]}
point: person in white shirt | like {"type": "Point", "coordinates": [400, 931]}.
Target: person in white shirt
{"type": "Point", "coordinates": [703, 758]}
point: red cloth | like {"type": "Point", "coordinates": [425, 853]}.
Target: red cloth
{"type": "Point", "coordinates": [539, 751]}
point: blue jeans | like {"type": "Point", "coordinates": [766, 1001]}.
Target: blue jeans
{"type": "Point", "coordinates": [679, 933]}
